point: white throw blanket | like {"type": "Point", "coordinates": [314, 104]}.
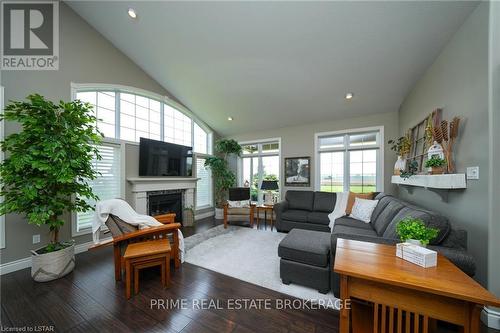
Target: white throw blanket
{"type": "Point", "coordinates": [122, 209]}
{"type": "Point", "coordinates": [340, 207]}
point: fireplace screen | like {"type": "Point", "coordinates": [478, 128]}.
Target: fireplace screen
{"type": "Point", "coordinates": [165, 202]}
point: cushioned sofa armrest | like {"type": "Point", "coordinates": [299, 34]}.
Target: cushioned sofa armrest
{"type": "Point", "coordinates": [280, 208]}
{"type": "Point", "coordinates": [459, 257]}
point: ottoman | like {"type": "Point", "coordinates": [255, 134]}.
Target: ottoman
{"type": "Point", "coordinates": [305, 259]}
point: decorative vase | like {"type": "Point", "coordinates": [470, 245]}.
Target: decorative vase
{"type": "Point", "coordinates": [52, 265]}
{"type": "Point", "coordinates": [188, 218]}
{"type": "Point", "coordinates": [399, 165]}
{"type": "Point", "coordinates": [219, 213]}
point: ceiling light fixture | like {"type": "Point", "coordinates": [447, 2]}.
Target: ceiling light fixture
{"type": "Point", "coordinates": [230, 118]}
{"type": "Point", "coordinates": [132, 13]}
{"type": "Point", "coordinates": [349, 96]}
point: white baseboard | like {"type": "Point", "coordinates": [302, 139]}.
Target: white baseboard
{"type": "Point", "coordinates": [491, 318]}
{"type": "Point", "coordinates": [204, 215]}
{"type": "Point", "coordinates": [19, 264]}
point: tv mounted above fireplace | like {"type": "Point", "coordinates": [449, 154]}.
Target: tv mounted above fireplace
{"type": "Point", "coordinates": [158, 158]}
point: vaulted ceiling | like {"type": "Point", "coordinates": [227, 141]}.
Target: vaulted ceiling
{"type": "Point", "coordinates": [277, 64]}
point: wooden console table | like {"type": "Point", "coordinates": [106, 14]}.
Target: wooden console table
{"type": "Point", "coordinates": [402, 296]}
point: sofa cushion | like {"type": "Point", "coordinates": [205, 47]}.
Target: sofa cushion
{"type": "Point", "coordinates": [324, 201]}
{"type": "Point", "coordinates": [306, 246]}
{"type": "Point", "coordinates": [350, 222]}
{"type": "Point", "coordinates": [386, 215]}
{"type": "Point", "coordinates": [300, 200]}
{"type": "Point", "coordinates": [430, 219]}
{"type": "Point", "coordinates": [295, 215]}
{"type": "Point", "coordinates": [343, 229]}
{"type": "Point", "coordinates": [318, 218]}
{"type": "Point", "coordinates": [383, 201]}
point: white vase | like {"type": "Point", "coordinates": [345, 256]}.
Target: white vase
{"type": "Point", "coordinates": [399, 165]}
{"type": "Point", "coordinates": [52, 265]}
{"type": "Point", "coordinates": [219, 213]}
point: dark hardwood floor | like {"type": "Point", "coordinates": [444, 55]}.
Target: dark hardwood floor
{"type": "Point", "coordinates": [89, 300]}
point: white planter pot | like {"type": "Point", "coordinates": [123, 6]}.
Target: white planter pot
{"type": "Point", "coordinates": [219, 213]}
{"type": "Point", "coordinates": [53, 265]}
{"type": "Point", "coordinates": [415, 242]}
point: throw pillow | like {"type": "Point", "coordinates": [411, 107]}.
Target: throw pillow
{"type": "Point", "coordinates": [238, 204]}
{"type": "Point", "coordinates": [353, 196]}
{"type": "Point", "coordinates": [363, 209]}
{"type": "Point", "coordinates": [340, 206]}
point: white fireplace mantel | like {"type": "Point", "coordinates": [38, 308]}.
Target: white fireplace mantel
{"type": "Point", "coordinates": [147, 184]}
{"type": "Point", "coordinates": [140, 186]}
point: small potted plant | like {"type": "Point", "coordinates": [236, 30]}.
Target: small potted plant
{"type": "Point", "coordinates": [435, 165]}
{"type": "Point", "coordinates": [413, 230]}
{"type": "Point", "coordinates": [46, 173]}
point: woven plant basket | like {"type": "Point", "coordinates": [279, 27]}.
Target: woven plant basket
{"type": "Point", "coordinates": [53, 265]}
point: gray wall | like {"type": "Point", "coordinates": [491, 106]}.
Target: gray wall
{"type": "Point", "coordinates": [86, 57]}
{"type": "Point", "coordinates": [299, 140]}
{"type": "Point", "coordinates": [458, 82]}
{"type": "Point", "coordinates": [494, 194]}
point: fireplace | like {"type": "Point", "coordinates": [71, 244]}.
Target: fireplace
{"type": "Point", "coordinates": [165, 202]}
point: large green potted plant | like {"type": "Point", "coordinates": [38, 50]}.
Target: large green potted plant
{"type": "Point", "coordinates": [223, 176]}
{"type": "Point", "coordinates": [46, 170]}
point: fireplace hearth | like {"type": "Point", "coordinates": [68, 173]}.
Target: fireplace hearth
{"type": "Point", "coordinates": [165, 202]}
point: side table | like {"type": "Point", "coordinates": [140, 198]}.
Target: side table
{"type": "Point", "coordinates": [265, 209]}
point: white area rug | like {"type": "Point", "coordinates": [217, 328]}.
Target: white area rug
{"type": "Point", "coordinates": [250, 255]}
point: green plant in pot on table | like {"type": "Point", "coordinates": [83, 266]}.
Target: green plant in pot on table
{"type": "Point", "coordinates": [414, 230]}
{"type": "Point", "coordinates": [223, 176]}
{"type": "Point", "coordinates": [46, 171]}
{"type": "Point", "coordinates": [436, 165]}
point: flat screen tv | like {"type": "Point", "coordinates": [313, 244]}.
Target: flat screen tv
{"type": "Point", "coordinates": [158, 158]}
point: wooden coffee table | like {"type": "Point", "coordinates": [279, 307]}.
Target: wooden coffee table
{"type": "Point", "coordinates": [398, 291]}
{"type": "Point", "coordinates": [265, 209]}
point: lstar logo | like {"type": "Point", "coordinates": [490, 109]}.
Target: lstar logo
{"type": "Point", "coordinates": [30, 35]}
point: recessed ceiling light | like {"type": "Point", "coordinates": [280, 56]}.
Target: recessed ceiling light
{"type": "Point", "coordinates": [349, 96]}
{"type": "Point", "coordinates": [132, 13]}
{"type": "Point", "coordinates": [230, 118]}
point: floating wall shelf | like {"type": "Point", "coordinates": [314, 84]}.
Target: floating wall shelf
{"type": "Point", "coordinates": [443, 182]}
{"type": "Point", "coordinates": [440, 184]}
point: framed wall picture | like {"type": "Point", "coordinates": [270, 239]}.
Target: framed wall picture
{"type": "Point", "coordinates": [297, 171]}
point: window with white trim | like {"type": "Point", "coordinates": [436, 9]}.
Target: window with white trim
{"type": "Point", "coordinates": [139, 117]}
{"type": "Point", "coordinates": [128, 115]}
{"type": "Point", "coordinates": [349, 161]}
{"type": "Point", "coordinates": [259, 161]}
{"type": "Point", "coordinates": [106, 186]}
{"type": "Point", "coordinates": [204, 187]}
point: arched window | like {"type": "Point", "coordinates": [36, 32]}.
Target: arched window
{"type": "Point", "coordinates": [128, 114]}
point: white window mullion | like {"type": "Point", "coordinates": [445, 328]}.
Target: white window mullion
{"type": "Point", "coordinates": [117, 115]}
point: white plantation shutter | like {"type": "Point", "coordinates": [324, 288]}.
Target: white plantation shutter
{"type": "Point", "coordinates": [106, 186]}
{"type": "Point", "coordinates": [204, 185]}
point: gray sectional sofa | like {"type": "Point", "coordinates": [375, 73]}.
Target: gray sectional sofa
{"type": "Point", "coordinates": [309, 210]}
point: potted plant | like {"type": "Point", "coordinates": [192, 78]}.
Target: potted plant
{"type": "Point", "coordinates": [402, 147]}
{"type": "Point", "coordinates": [46, 170]}
{"type": "Point", "coordinates": [435, 165]}
{"type": "Point", "coordinates": [224, 178]}
{"type": "Point", "coordinates": [413, 230]}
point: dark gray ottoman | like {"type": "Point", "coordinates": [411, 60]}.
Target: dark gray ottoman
{"type": "Point", "coordinates": [305, 259]}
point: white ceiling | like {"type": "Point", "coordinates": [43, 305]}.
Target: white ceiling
{"type": "Point", "coordinates": [277, 64]}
